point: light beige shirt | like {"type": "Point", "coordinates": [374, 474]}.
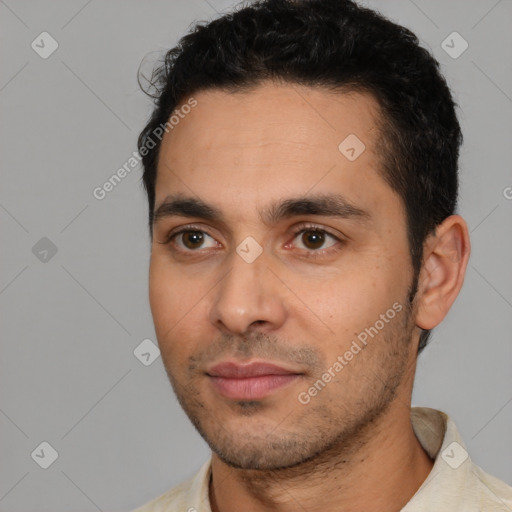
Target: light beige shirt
{"type": "Point", "coordinates": [454, 484]}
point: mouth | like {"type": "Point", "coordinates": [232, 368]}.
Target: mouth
{"type": "Point", "coordinates": [251, 381]}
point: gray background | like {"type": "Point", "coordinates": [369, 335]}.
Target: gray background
{"type": "Point", "coordinates": [71, 322]}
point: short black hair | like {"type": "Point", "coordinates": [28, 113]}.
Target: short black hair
{"type": "Point", "coordinates": [340, 46]}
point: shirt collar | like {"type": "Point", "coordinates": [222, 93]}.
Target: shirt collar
{"type": "Point", "coordinates": [454, 483]}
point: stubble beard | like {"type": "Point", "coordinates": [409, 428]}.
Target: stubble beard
{"type": "Point", "coordinates": [322, 432]}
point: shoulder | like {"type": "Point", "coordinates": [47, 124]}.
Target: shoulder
{"type": "Point", "coordinates": [173, 499]}
{"type": "Point", "coordinates": [189, 496]}
{"type": "Point", "coordinates": [493, 494]}
{"type": "Point", "coordinates": [455, 481]}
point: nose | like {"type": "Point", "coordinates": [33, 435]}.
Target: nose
{"type": "Point", "coordinates": [249, 297]}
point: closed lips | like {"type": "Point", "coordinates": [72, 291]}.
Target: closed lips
{"type": "Point", "coordinates": [236, 371]}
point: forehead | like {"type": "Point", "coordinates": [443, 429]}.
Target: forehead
{"type": "Point", "coordinates": [274, 139]}
{"type": "Point", "coordinates": [274, 113]}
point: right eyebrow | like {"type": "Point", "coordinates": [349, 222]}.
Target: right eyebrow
{"type": "Point", "coordinates": [186, 207]}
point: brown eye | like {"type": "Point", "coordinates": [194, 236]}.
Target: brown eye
{"type": "Point", "coordinates": [189, 240]}
{"type": "Point", "coordinates": [313, 239]}
{"type": "Point", "coordinates": [192, 239]}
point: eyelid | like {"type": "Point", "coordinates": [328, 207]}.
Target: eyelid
{"type": "Point", "coordinates": [295, 231]}
{"type": "Point", "coordinates": [181, 229]}
{"type": "Point", "coordinates": [308, 226]}
{"type": "Point", "coordinates": [318, 253]}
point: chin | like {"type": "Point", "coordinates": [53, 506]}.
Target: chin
{"type": "Point", "coordinates": [261, 446]}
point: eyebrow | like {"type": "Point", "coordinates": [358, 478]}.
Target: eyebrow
{"type": "Point", "coordinates": [328, 205]}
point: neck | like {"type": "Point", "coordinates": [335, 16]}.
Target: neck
{"type": "Point", "coordinates": [380, 471]}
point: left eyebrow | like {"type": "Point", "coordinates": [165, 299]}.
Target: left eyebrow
{"type": "Point", "coordinates": [328, 205]}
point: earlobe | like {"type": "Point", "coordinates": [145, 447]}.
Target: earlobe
{"type": "Point", "coordinates": [446, 254]}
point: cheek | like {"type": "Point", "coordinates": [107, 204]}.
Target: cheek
{"type": "Point", "coordinates": [349, 300]}
{"type": "Point", "coordinates": [171, 292]}
{"type": "Point", "coordinates": [162, 296]}
{"type": "Point", "coordinates": [167, 298]}
{"type": "Point", "coordinates": [178, 309]}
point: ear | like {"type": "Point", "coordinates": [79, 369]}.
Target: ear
{"type": "Point", "coordinates": [445, 258]}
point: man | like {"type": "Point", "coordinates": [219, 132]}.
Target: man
{"type": "Point", "coordinates": [301, 171]}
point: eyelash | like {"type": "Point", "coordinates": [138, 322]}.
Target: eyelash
{"type": "Point", "coordinates": [302, 228]}
{"type": "Point", "coordinates": [317, 253]}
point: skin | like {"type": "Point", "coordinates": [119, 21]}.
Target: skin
{"type": "Point", "coordinates": [298, 304]}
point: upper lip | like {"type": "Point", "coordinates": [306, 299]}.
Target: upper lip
{"type": "Point", "coordinates": [232, 370]}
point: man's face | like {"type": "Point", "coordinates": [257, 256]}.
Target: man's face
{"type": "Point", "coordinates": [269, 288]}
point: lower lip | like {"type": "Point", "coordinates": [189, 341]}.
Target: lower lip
{"type": "Point", "coordinates": [251, 388]}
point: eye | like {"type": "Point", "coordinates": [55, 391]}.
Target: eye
{"type": "Point", "coordinates": [313, 238]}
{"type": "Point", "coordinates": [192, 239]}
